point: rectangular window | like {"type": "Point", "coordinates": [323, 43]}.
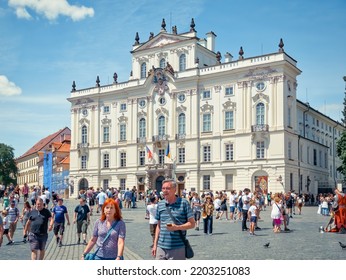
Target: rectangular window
{"type": "Point", "coordinates": [123, 107]}
{"type": "Point", "coordinates": [161, 156]}
{"type": "Point", "coordinates": [83, 162]}
{"type": "Point", "coordinates": [291, 181]}
{"type": "Point", "coordinates": [123, 159]}
{"type": "Point", "coordinates": [260, 149]}
{"type": "Point", "coordinates": [106, 134]}
{"type": "Point", "coordinates": [206, 154]}
{"type": "Point", "coordinates": [181, 152]}
{"type": "Point", "coordinates": [308, 154]}
{"type": "Point", "coordinates": [229, 91]}
{"type": "Point", "coordinates": [229, 182]}
{"type": "Point", "coordinates": [206, 182]}
{"type": "Point", "coordinates": [105, 184]}
{"type": "Point", "coordinates": [106, 161]}
{"type": "Point", "coordinates": [320, 158]}
{"type": "Point", "coordinates": [289, 150]}
{"type": "Point", "coordinates": [105, 109]}
{"type": "Point", "coordinates": [123, 132]}
{"type": "Point", "coordinates": [289, 112]}
{"type": "Point", "coordinates": [315, 157]}
{"type": "Point", "coordinates": [206, 123]}
{"type": "Point", "coordinates": [122, 183]}
{"type": "Point", "coordinates": [228, 120]}
{"type": "Point", "coordinates": [141, 158]}
{"type": "Point", "coordinates": [229, 151]}
{"type": "Point", "coordinates": [326, 160]}
{"type": "Point", "coordinates": [206, 94]}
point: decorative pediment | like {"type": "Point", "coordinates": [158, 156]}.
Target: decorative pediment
{"type": "Point", "coordinates": [181, 109]}
{"type": "Point", "coordinates": [229, 105]}
{"type": "Point", "coordinates": [159, 111]}
{"type": "Point", "coordinates": [261, 97]}
{"type": "Point", "coordinates": [106, 121]}
{"type": "Point", "coordinates": [162, 39]}
{"type": "Point", "coordinates": [83, 121]}
{"type": "Point", "coordinates": [141, 114]}
{"type": "Point", "coordinates": [207, 108]}
{"type": "Point", "coordinates": [122, 118]}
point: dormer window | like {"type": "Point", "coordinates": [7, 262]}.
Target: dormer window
{"type": "Point", "coordinates": [163, 63]}
{"type": "Point", "coordinates": [182, 62]}
{"type": "Point", "coordinates": [143, 70]}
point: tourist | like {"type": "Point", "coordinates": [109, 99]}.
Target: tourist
{"type": "Point", "coordinates": [82, 219]}
{"type": "Point", "coordinates": [59, 213]}
{"type": "Point", "coordinates": [207, 215]}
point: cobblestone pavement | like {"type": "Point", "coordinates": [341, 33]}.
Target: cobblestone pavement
{"type": "Point", "coordinates": [228, 242]}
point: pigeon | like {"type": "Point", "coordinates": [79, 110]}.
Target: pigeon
{"type": "Point", "coordinates": [266, 245]}
{"type": "Point", "coordinates": [343, 246]}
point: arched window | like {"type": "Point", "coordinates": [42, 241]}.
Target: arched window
{"type": "Point", "coordinates": [182, 62]}
{"type": "Point", "coordinates": [84, 134]}
{"type": "Point", "coordinates": [260, 113]}
{"type": "Point", "coordinates": [162, 63]}
{"type": "Point", "coordinates": [181, 124]}
{"type": "Point", "coordinates": [143, 70]}
{"type": "Point", "coordinates": [162, 125]}
{"type": "Point", "coordinates": [142, 128]}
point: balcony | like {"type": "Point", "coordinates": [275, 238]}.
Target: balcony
{"type": "Point", "coordinates": [141, 140]}
{"type": "Point", "coordinates": [180, 136]}
{"type": "Point", "coordinates": [159, 138]}
{"type": "Point", "coordinates": [260, 128]}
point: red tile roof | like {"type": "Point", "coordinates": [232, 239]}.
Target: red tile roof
{"type": "Point", "coordinates": [45, 142]}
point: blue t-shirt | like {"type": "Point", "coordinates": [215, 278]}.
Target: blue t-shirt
{"type": "Point", "coordinates": [59, 212]}
{"type": "Point", "coordinates": [182, 212]}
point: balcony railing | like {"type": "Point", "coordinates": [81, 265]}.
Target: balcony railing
{"type": "Point", "coordinates": [180, 136]}
{"type": "Point", "coordinates": [141, 140]}
{"type": "Point", "coordinates": [260, 128]}
{"type": "Point", "coordinates": [82, 145]}
{"type": "Point", "coordinates": [158, 138]}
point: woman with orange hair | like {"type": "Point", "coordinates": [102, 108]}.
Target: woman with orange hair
{"type": "Point", "coordinates": [110, 224]}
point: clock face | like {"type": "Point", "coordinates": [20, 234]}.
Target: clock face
{"type": "Point", "coordinates": [260, 86]}
{"type": "Point", "coordinates": [84, 112]}
{"type": "Point", "coordinates": [162, 101]}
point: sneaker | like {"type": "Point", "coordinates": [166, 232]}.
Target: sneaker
{"type": "Point", "coordinates": [210, 234]}
{"type": "Point", "coordinates": [291, 216]}
{"type": "Point", "coordinates": [197, 228]}
{"type": "Point", "coordinates": [78, 242]}
{"type": "Point", "coordinates": [24, 240]}
{"type": "Point", "coordinates": [10, 242]}
{"type": "Point", "coordinates": [57, 240]}
{"type": "Point", "coordinates": [287, 229]}
{"type": "Point", "coordinates": [60, 244]}
{"type": "Point", "coordinates": [84, 242]}
{"type": "Point", "coordinates": [257, 228]}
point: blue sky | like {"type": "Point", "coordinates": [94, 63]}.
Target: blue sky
{"type": "Point", "coordinates": [45, 45]}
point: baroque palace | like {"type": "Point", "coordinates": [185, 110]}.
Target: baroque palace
{"type": "Point", "coordinates": [210, 124]}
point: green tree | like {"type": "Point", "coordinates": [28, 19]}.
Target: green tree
{"type": "Point", "coordinates": [341, 152]}
{"type": "Point", "coordinates": [8, 167]}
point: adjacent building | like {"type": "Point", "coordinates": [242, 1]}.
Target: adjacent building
{"type": "Point", "coordinates": [210, 122]}
{"type": "Point", "coordinates": [30, 164]}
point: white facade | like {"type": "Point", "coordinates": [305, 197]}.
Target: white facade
{"type": "Point", "coordinates": [228, 124]}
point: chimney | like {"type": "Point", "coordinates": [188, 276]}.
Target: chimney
{"type": "Point", "coordinates": [211, 41]}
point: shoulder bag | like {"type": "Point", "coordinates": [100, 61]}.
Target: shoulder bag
{"type": "Point", "coordinates": [91, 256]}
{"type": "Point", "coordinates": [189, 254]}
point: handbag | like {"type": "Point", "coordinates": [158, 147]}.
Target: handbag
{"type": "Point", "coordinates": [91, 256]}
{"type": "Point", "coordinates": [189, 254]}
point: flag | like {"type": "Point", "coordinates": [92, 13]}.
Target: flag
{"type": "Point", "coordinates": [168, 151]}
{"type": "Point", "coordinates": [150, 154]}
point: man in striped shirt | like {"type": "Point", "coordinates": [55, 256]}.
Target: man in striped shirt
{"type": "Point", "coordinates": [168, 244]}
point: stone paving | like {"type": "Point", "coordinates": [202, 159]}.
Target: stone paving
{"type": "Point", "coordinates": [228, 242]}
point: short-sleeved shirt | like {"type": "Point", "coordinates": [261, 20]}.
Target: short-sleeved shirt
{"type": "Point", "coordinates": [109, 248]}
{"type": "Point", "coordinates": [39, 221]}
{"type": "Point", "coordinates": [152, 208]}
{"type": "Point", "coordinates": [101, 197]}
{"type": "Point", "coordinates": [182, 212]}
{"type": "Point", "coordinates": [82, 212]}
{"type": "Point", "coordinates": [13, 213]}
{"type": "Point", "coordinates": [253, 211]}
{"type": "Point", "coordinates": [59, 212]}
{"type": "Point", "coordinates": [196, 208]}
{"type": "Point", "coordinates": [247, 198]}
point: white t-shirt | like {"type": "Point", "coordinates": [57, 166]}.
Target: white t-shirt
{"type": "Point", "coordinates": [151, 208]}
{"type": "Point", "coordinates": [6, 223]}
{"type": "Point", "coordinates": [232, 199]}
{"type": "Point", "coordinates": [47, 194]}
{"type": "Point", "coordinates": [276, 211]}
{"type": "Point", "coordinates": [245, 198]}
{"type": "Point", "coordinates": [253, 210]}
{"type": "Point", "coordinates": [217, 203]}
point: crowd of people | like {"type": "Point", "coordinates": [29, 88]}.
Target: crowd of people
{"type": "Point", "coordinates": [169, 215]}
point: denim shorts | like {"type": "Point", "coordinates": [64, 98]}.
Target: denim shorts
{"type": "Point", "coordinates": [232, 209]}
{"type": "Point", "coordinates": [253, 219]}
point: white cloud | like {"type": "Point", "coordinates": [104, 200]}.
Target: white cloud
{"type": "Point", "coordinates": [51, 9]}
{"type": "Point", "coordinates": [8, 88]}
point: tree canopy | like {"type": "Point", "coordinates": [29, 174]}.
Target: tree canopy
{"type": "Point", "coordinates": [341, 152]}
{"type": "Point", "coordinates": [8, 167]}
